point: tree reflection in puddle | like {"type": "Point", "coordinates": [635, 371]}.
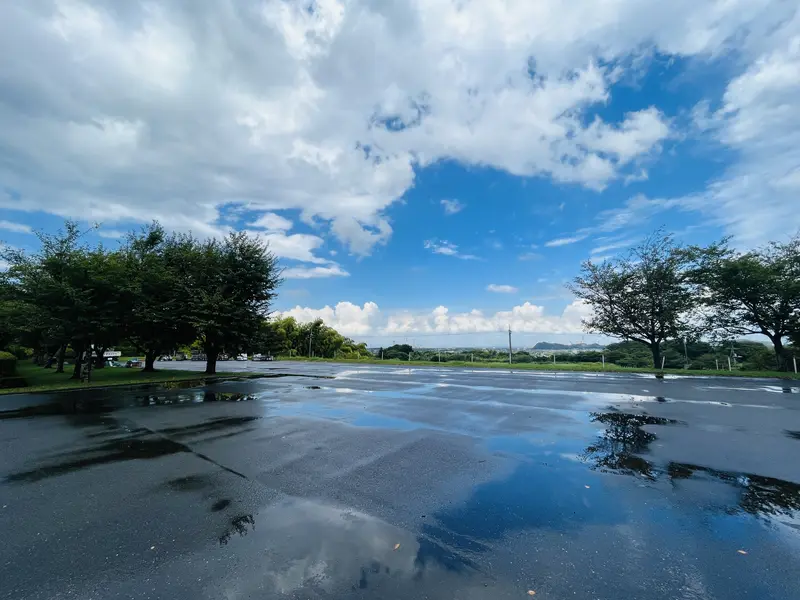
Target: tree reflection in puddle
{"type": "Point", "coordinates": [242, 525]}
{"type": "Point", "coordinates": [620, 446]}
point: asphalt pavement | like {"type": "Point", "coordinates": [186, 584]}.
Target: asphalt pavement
{"type": "Point", "coordinates": [403, 483]}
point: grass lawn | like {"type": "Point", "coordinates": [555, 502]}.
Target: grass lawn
{"type": "Point", "coordinates": [47, 380]}
{"type": "Point", "coordinates": [582, 367]}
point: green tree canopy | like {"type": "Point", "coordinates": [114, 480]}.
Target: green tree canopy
{"type": "Point", "coordinates": [756, 292]}
{"type": "Point", "coordinates": [643, 297]}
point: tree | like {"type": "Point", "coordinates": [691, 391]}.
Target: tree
{"type": "Point", "coordinates": [157, 267]}
{"type": "Point", "coordinates": [643, 297]}
{"type": "Point", "coordinates": [228, 291]}
{"type": "Point", "coordinates": [54, 284]}
{"type": "Point", "coordinates": [757, 292]}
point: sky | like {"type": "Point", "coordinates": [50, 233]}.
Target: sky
{"type": "Point", "coordinates": [428, 171]}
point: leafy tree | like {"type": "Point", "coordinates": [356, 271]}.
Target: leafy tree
{"type": "Point", "coordinates": [228, 291]}
{"type": "Point", "coordinates": [643, 297]}
{"type": "Point", "coordinates": [56, 281]}
{"type": "Point", "coordinates": [756, 292]}
{"type": "Point", "coordinates": [157, 266]}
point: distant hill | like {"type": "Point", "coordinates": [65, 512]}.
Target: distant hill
{"type": "Point", "coordinates": [556, 346]}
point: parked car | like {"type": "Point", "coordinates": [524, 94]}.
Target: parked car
{"type": "Point", "coordinates": [261, 357]}
{"type": "Point", "coordinates": [134, 363]}
{"type": "Point", "coordinates": [242, 357]}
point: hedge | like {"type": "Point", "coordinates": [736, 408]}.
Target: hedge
{"type": "Point", "coordinates": [8, 364]}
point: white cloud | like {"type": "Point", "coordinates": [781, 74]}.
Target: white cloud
{"type": "Point", "coordinates": [170, 112]}
{"type": "Point", "coordinates": [15, 227]}
{"type": "Point", "coordinates": [110, 234]}
{"type": "Point", "coordinates": [759, 121]}
{"type": "Point", "coordinates": [347, 318]}
{"type": "Point", "coordinates": [447, 249]}
{"type": "Point", "coordinates": [565, 241]}
{"type": "Point", "coordinates": [272, 222]}
{"type": "Point", "coordinates": [4, 266]}
{"type": "Point", "coordinates": [298, 246]}
{"type": "Point", "coordinates": [525, 256]}
{"type": "Point", "coordinates": [501, 289]}
{"type": "Point", "coordinates": [369, 320]}
{"type": "Point", "coordinates": [613, 244]}
{"type": "Point", "coordinates": [314, 272]}
{"type": "Point", "coordinates": [451, 207]}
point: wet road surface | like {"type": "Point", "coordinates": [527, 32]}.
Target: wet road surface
{"type": "Point", "coordinates": [405, 483]}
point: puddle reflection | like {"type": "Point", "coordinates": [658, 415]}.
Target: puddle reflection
{"type": "Point", "coordinates": [620, 447]}
{"type": "Point", "coordinates": [321, 549]}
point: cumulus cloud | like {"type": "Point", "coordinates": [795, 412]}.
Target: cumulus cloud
{"type": "Point", "coordinates": [451, 207]}
{"type": "Point", "coordinates": [170, 111]}
{"type": "Point", "coordinates": [347, 318]}
{"type": "Point", "coordinates": [756, 199]}
{"type": "Point", "coordinates": [369, 321]}
{"type": "Point", "coordinates": [272, 222]}
{"type": "Point", "coordinates": [128, 112]}
{"type": "Point", "coordinates": [501, 289]}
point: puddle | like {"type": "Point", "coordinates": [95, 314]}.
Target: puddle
{"type": "Point", "coordinates": [759, 496]}
{"type": "Point", "coordinates": [107, 401]}
{"type": "Point", "coordinates": [793, 434]}
{"type": "Point", "coordinates": [305, 548]}
{"type": "Point", "coordinates": [241, 526]}
{"type": "Point", "coordinates": [619, 447]}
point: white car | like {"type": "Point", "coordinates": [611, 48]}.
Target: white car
{"type": "Point", "coordinates": [242, 357]}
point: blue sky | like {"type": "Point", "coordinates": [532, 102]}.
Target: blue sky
{"type": "Point", "coordinates": [431, 171]}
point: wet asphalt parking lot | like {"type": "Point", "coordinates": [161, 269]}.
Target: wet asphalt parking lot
{"type": "Point", "coordinates": [388, 482]}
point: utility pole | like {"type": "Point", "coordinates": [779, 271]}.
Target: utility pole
{"type": "Point", "coordinates": [685, 353]}
{"type": "Point", "coordinates": [440, 356]}
{"type": "Point", "coordinates": [310, 337]}
{"type": "Point", "coordinates": [509, 343]}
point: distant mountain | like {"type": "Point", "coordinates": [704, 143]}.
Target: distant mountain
{"type": "Point", "coordinates": [556, 346]}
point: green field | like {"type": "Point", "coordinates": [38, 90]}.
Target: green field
{"type": "Point", "coordinates": [47, 380]}
{"type": "Point", "coordinates": [565, 367]}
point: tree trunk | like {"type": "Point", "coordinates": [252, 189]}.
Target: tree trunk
{"type": "Point", "coordinates": [777, 342]}
{"type": "Point", "coordinates": [211, 362]}
{"type": "Point", "coordinates": [656, 350]}
{"type": "Point", "coordinates": [149, 361]}
{"type": "Point", "coordinates": [76, 371]}
{"type": "Point", "coordinates": [101, 360]}
{"type": "Point", "coordinates": [61, 352]}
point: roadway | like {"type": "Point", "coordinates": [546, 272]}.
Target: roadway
{"type": "Point", "coordinates": [389, 482]}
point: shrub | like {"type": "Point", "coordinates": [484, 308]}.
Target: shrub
{"type": "Point", "coordinates": [21, 352]}
{"type": "Point", "coordinates": [8, 364]}
{"type": "Point", "coordinates": [12, 382]}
